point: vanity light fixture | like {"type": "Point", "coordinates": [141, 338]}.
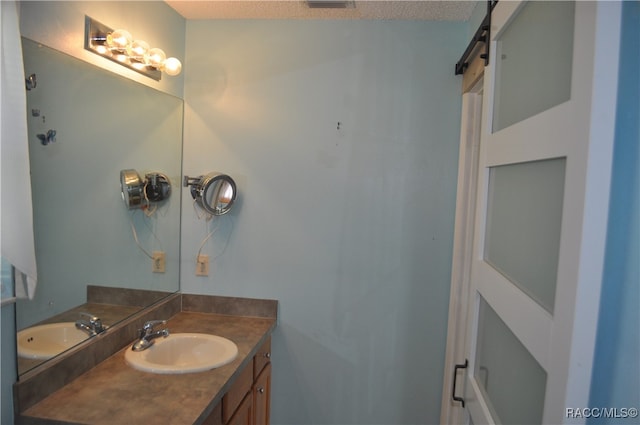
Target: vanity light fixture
{"type": "Point", "coordinates": [120, 46]}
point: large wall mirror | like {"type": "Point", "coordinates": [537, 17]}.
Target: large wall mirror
{"type": "Point", "coordinates": [94, 254]}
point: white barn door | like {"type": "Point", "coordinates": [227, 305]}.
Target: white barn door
{"type": "Point", "coordinates": [541, 211]}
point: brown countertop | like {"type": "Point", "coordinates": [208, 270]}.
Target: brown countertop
{"type": "Point", "coordinates": [113, 393]}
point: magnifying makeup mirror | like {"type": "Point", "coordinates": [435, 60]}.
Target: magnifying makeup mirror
{"type": "Point", "coordinates": [155, 187]}
{"type": "Point", "coordinates": [214, 192]}
{"type": "Point", "coordinates": [131, 186]}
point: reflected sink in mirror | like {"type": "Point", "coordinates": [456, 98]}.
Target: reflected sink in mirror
{"type": "Point", "coordinates": [183, 353]}
{"type": "Point", "coordinates": [45, 341]}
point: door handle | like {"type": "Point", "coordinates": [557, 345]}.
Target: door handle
{"type": "Point", "coordinates": [455, 374]}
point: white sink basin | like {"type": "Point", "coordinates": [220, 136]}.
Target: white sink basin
{"type": "Point", "coordinates": [45, 341]}
{"type": "Point", "coordinates": [183, 353]}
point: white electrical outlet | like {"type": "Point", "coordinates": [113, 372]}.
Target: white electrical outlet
{"type": "Point", "coordinates": [159, 261]}
{"type": "Point", "coordinates": [202, 265]}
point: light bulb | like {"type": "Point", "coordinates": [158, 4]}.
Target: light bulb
{"type": "Point", "coordinates": [121, 57]}
{"type": "Point", "coordinates": [138, 49]}
{"type": "Point", "coordinates": [119, 40]}
{"type": "Point", "coordinates": [155, 57]}
{"type": "Point", "coordinates": [172, 66]}
{"type": "Point", "coordinates": [140, 66]}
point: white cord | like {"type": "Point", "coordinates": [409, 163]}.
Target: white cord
{"type": "Point", "coordinates": [206, 214]}
{"type": "Point", "coordinates": [148, 211]}
{"type": "Point", "coordinates": [226, 243]}
{"type": "Point", "coordinates": [204, 241]}
{"type": "Point", "coordinates": [153, 232]}
{"type": "Point", "coordinates": [135, 237]}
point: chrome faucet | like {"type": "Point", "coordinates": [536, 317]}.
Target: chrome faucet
{"type": "Point", "coordinates": [93, 325]}
{"type": "Point", "coordinates": [147, 335]}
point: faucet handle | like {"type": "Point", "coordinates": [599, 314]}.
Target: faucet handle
{"type": "Point", "coordinates": [151, 323]}
{"type": "Point", "coordinates": [147, 329]}
{"type": "Point", "coordinates": [94, 322]}
{"type": "Point", "coordinates": [91, 317]}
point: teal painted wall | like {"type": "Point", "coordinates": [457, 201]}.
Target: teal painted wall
{"type": "Point", "coordinates": [348, 225]}
{"type": "Point", "coordinates": [616, 378]}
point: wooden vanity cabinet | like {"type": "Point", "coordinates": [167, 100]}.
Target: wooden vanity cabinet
{"type": "Point", "coordinates": [262, 397]}
{"type": "Point", "coordinates": [249, 399]}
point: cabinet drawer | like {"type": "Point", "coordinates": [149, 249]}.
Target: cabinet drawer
{"type": "Point", "coordinates": [241, 387]}
{"type": "Point", "coordinates": [262, 357]}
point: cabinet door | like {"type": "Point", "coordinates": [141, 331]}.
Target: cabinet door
{"type": "Point", "coordinates": [262, 397]}
{"type": "Point", "coordinates": [244, 414]}
{"type": "Point", "coordinates": [231, 401]}
{"type": "Point", "coordinates": [262, 357]}
{"type": "Point", "coordinates": [215, 417]}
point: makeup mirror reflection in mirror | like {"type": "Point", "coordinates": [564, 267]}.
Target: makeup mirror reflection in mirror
{"type": "Point", "coordinates": [93, 254]}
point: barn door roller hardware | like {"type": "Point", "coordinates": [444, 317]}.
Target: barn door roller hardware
{"type": "Point", "coordinates": [482, 35]}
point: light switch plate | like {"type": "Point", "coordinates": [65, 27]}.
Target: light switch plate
{"type": "Point", "coordinates": [159, 261]}
{"type": "Point", "coordinates": [202, 265]}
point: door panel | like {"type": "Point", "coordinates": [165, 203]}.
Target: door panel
{"type": "Point", "coordinates": [524, 216]}
{"type": "Point", "coordinates": [539, 56]}
{"type": "Point", "coordinates": [511, 380]}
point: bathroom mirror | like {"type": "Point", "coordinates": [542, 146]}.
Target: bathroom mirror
{"type": "Point", "coordinates": [89, 246]}
{"type": "Point", "coordinates": [214, 192]}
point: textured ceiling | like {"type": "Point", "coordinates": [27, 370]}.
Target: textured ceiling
{"type": "Point", "coordinates": [299, 9]}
